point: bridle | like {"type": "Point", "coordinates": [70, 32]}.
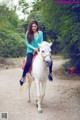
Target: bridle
{"type": "Point", "coordinates": [43, 57]}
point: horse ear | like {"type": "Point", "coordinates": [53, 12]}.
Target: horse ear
{"type": "Point", "coordinates": [50, 44]}
{"type": "Point", "coordinates": [39, 45]}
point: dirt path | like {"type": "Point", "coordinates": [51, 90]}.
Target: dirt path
{"type": "Point", "coordinates": [62, 100]}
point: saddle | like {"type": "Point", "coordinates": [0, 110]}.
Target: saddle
{"type": "Point", "coordinates": [24, 62]}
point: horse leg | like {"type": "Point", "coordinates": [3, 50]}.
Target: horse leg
{"type": "Point", "coordinates": [38, 96]}
{"type": "Point", "coordinates": [29, 100]}
{"type": "Point", "coordinates": [29, 86]}
{"type": "Point", "coordinates": [43, 90]}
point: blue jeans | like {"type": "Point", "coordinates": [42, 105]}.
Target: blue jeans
{"type": "Point", "coordinates": [28, 64]}
{"type": "Point", "coordinates": [50, 68]}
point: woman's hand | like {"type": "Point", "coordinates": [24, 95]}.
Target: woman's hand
{"type": "Point", "coordinates": [36, 49]}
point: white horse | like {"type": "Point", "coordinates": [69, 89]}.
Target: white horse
{"type": "Point", "coordinates": [40, 72]}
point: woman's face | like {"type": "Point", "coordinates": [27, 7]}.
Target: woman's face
{"type": "Point", "coordinates": [34, 27]}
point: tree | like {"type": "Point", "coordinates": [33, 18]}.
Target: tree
{"type": "Point", "coordinates": [70, 34]}
{"type": "Point", "coordinates": [11, 39]}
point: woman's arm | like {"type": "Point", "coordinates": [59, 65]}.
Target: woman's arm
{"type": "Point", "coordinates": [41, 35]}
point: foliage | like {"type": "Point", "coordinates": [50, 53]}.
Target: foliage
{"type": "Point", "coordinates": [70, 35]}
{"type": "Point", "coordinates": [11, 39]}
{"type": "Point", "coordinates": [23, 6]}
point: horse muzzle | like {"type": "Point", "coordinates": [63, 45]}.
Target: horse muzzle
{"type": "Point", "coordinates": [48, 60]}
{"type": "Point", "coordinates": [48, 63]}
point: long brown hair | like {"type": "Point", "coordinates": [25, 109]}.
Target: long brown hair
{"type": "Point", "coordinates": [30, 34]}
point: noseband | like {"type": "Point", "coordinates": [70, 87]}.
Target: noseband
{"type": "Point", "coordinates": [46, 62]}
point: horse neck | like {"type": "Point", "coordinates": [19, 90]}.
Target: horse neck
{"type": "Point", "coordinates": [40, 59]}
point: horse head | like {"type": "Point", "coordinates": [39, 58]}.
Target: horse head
{"type": "Point", "coordinates": [45, 52]}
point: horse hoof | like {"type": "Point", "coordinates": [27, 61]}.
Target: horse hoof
{"type": "Point", "coordinates": [29, 101]}
{"type": "Point", "coordinates": [40, 111]}
{"type": "Point", "coordinates": [36, 103]}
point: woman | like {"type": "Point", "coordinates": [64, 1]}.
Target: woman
{"type": "Point", "coordinates": [33, 37]}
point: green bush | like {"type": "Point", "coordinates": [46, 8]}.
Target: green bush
{"type": "Point", "coordinates": [11, 44]}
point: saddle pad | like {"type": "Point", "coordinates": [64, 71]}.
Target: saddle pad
{"type": "Point", "coordinates": [24, 62]}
